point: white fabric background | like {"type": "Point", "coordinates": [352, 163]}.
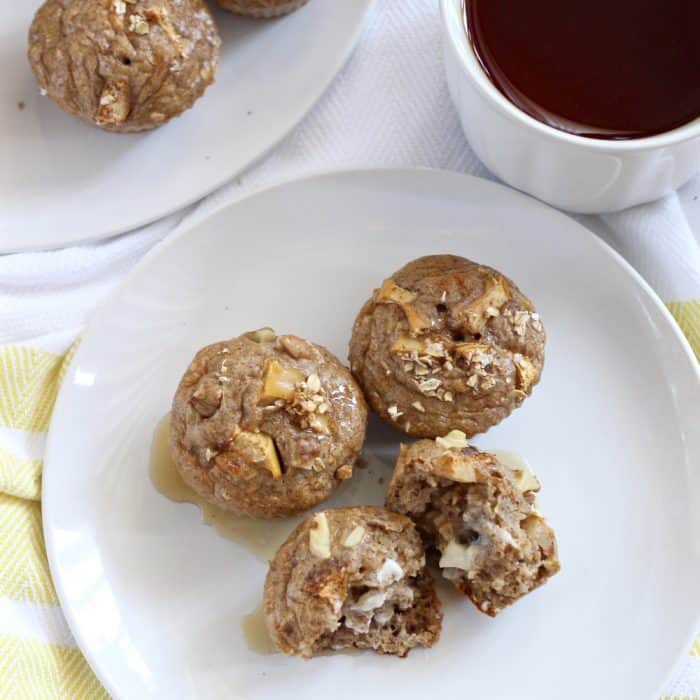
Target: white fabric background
{"type": "Point", "coordinates": [389, 107]}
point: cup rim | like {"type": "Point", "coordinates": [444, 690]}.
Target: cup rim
{"type": "Point", "coordinates": [457, 33]}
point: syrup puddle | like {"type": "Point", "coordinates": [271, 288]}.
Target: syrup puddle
{"type": "Point", "coordinates": [263, 537]}
{"type": "Point", "coordinates": [255, 632]}
{"type": "Point", "coordinates": [259, 536]}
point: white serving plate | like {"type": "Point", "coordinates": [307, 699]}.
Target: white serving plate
{"type": "Point", "coordinates": [155, 598]}
{"type": "Point", "coordinates": [64, 182]}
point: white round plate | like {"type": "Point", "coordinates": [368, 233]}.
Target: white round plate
{"type": "Point", "coordinates": [64, 182]}
{"type": "Point", "coordinates": [155, 598]}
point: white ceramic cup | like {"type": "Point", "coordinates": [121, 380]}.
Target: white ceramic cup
{"type": "Point", "coordinates": [570, 172]}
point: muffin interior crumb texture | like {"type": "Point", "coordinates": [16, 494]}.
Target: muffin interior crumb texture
{"type": "Point", "coordinates": [480, 517]}
{"type": "Point", "coordinates": [352, 577]}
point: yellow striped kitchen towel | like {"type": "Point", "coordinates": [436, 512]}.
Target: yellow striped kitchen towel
{"type": "Point", "coordinates": [38, 656]}
{"type": "Point", "coordinates": [687, 314]}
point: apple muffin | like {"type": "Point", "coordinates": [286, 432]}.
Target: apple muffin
{"type": "Point", "coordinates": [351, 577]}
{"type": "Point", "coordinates": [124, 65]}
{"type": "Point", "coordinates": [446, 343]}
{"type": "Point", "coordinates": [479, 515]}
{"type": "Point", "coordinates": [266, 425]}
{"type": "Point", "coordinates": [262, 8]}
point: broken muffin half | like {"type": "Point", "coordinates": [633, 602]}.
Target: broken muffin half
{"type": "Point", "coordinates": [351, 577]}
{"type": "Point", "coordinates": [479, 514]}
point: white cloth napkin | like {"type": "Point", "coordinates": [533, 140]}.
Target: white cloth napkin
{"type": "Point", "coordinates": [388, 107]}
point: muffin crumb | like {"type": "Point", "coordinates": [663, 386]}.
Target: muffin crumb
{"type": "Point", "coordinates": [351, 577]}
{"type": "Point", "coordinates": [479, 516]}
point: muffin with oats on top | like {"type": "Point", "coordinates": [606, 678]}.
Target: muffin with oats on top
{"type": "Point", "coordinates": [265, 425]}
{"type": "Point", "coordinates": [446, 343]}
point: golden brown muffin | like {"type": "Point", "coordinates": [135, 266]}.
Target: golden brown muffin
{"type": "Point", "coordinates": [266, 425]}
{"type": "Point", "coordinates": [446, 343]}
{"type": "Point", "coordinates": [124, 65]}
{"type": "Point", "coordinates": [262, 8]}
{"type": "Point", "coordinates": [351, 577]}
{"type": "Point", "coordinates": [479, 514]}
